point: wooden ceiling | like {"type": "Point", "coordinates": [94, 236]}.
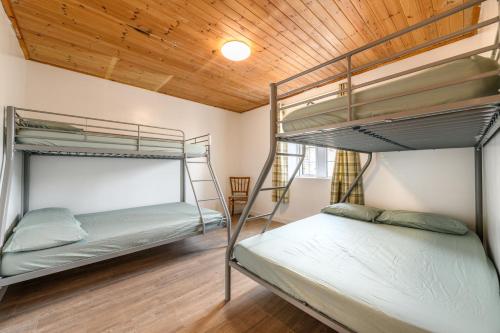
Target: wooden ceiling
{"type": "Point", "coordinates": [173, 46]}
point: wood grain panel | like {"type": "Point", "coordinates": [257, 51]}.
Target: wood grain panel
{"type": "Point", "coordinates": [173, 46]}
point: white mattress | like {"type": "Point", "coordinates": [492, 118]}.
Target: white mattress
{"type": "Point", "coordinates": [456, 70]}
{"type": "Point", "coordinates": [53, 138]}
{"type": "Point", "coordinates": [116, 230]}
{"type": "Point", "coordinates": [379, 278]}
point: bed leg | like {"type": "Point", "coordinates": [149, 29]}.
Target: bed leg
{"type": "Point", "coordinates": [3, 290]}
{"type": "Point", "coordinates": [227, 282]}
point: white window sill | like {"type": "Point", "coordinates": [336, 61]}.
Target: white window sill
{"type": "Point", "coordinates": [313, 178]}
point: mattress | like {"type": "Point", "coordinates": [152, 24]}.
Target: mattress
{"type": "Point", "coordinates": [114, 231]}
{"type": "Point", "coordinates": [54, 138]}
{"type": "Point", "coordinates": [456, 70]}
{"type": "Point", "coordinates": [379, 278]}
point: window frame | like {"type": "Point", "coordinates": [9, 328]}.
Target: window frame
{"type": "Point", "coordinates": [322, 171]}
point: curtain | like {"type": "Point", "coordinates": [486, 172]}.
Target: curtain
{"type": "Point", "coordinates": [347, 167]}
{"type": "Point", "coordinates": [280, 173]}
{"type": "Point", "coordinates": [280, 168]}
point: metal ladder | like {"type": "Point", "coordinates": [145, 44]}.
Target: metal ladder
{"type": "Point", "coordinates": [220, 196]}
{"type": "Point", "coordinates": [251, 201]}
{"type": "Point", "coordinates": [284, 189]}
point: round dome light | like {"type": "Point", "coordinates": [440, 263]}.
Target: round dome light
{"type": "Point", "coordinates": [235, 50]}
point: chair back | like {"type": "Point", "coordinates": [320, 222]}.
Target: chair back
{"type": "Point", "coordinates": [239, 185]}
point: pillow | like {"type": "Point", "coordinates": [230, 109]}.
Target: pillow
{"type": "Point", "coordinates": [43, 229]}
{"type": "Point", "coordinates": [47, 124]}
{"type": "Point", "coordinates": [353, 211]}
{"type": "Point", "coordinates": [425, 221]}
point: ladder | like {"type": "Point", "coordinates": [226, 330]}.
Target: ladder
{"type": "Point", "coordinates": [212, 178]}
{"type": "Point", "coordinates": [284, 189]}
{"type": "Point", "coordinates": [251, 201]}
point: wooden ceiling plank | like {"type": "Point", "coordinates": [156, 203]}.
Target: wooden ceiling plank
{"type": "Point", "coordinates": [229, 30]}
{"type": "Point", "coordinates": [7, 6]}
{"type": "Point", "coordinates": [399, 20]}
{"type": "Point", "coordinates": [188, 53]}
{"type": "Point", "coordinates": [111, 67]}
{"type": "Point", "coordinates": [371, 32]}
{"type": "Point", "coordinates": [276, 29]}
{"type": "Point", "coordinates": [372, 22]}
{"type": "Point", "coordinates": [358, 36]}
{"type": "Point", "coordinates": [297, 12]}
{"type": "Point", "coordinates": [121, 50]}
{"type": "Point", "coordinates": [209, 12]}
{"type": "Point", "coordinates": [279, 11]}
{"type": "Point", "coordinates": [327, 23]}
{"type": "Point", "coordinates": [416, 12]}
{"type": "Point", "coordinates": [55, 44]}
{"type": "Point", "coordinates": [172, 46]}
{"type": "Point", "coordinates": [267, 12]}
{"type": "Point", "coordinates": [384, 20]}
{"type": "Point", "coordinates": [181, 34]}
{"type": "Point", "coordinates": [164, 82]}
{"type": "Point", "coordinates": [251, 21]}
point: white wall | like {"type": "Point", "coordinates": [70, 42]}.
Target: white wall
{"type": "Point", "coordinates": [491, 193]}
{"type": "Point", "coordinates": [440, 181]}
{"type": "Point", "coordinates": [93, 184]}
{"type": "Point", "coordinates": [435, 181]}
{"type": "Point", "coordinates": [86, 185]}
{"type": "Point", "coordinates": [13, 78]}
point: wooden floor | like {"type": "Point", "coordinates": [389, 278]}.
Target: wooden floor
{"type": "Point", "coordinates": [174, 288]}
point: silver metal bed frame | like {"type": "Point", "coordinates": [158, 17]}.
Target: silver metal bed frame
{"type": "Point", "coordinates": [16, 119]}
{"type": "Point", "coordinates": [469, 123]}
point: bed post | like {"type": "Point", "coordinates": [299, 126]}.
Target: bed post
{"type": "Point", "coordinates": [273, 98]}
{"type": "Point", "coordinates": [182, 180]}
{"type": "Point", "coordinates": [478, 161]}
{"type": "Point", "coordinates": [7, 166]}
{"type": "Point", "coordinates": [25, 185]}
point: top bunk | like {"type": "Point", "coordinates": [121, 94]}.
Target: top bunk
{"type": "Point", "coordinates": [448, 103]}
{"type": "Point", "coordinates": [49, 133]}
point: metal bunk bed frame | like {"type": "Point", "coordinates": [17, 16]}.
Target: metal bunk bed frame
{"type": "Point", "coordinates": [105, 128]}
{"type": "Point", "coordinates": [460, 121]}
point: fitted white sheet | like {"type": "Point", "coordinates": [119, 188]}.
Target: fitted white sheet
{"type": "Point", "coordinates": [379, 278]}
{"type": "Point", "coordinates": [56, 138]}
{"type": "Point", "coordinates": [116, 230]}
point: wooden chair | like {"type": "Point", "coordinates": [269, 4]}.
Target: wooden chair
{"type": "Point", "coordinates": [239, 191]}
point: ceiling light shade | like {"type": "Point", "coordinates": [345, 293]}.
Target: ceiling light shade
{"type": "Point", "coordinates": [235, 50]}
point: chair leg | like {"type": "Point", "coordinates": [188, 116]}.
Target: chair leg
{"type": "Point", "coordinates": [232, 207]}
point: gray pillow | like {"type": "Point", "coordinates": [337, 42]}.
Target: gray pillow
{"type": "Point", "coordinates": [43, 229]}
{"type": "Point", "coordinates": [425, 221]}
{"type": "Point", "coordinates": [353, 211]}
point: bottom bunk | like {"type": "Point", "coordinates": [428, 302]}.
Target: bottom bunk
{"type": "Point", "coordinates": [114, 232]}
{"type": "Point", "coordinates": [377, 278]}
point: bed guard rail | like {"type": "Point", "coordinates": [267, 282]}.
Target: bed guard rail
{"type": "Point", "coordinates": [146, 136]}
{"type": "Point", "coordinates": [351, 70]}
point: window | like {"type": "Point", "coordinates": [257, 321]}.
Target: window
{"type": "Point", "coordinates": [318, 162]}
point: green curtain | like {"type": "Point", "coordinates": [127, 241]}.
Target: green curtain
{"type": "Point", "coordinates": [347, 167]}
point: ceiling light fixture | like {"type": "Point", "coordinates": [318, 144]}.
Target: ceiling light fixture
{"type": "Point", "coordinates": [235, 50]}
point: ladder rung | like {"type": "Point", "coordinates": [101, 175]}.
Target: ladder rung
{"type": "Point", "coordinates": [289, 154]}
{"type": "Point", "coordinates": [273, 188]}
{"type": "Point", "coordinates": [197, 162]}
{"type": "Point", "coordinates": [211, 199]}
{"type": "Point", "coordinates": [257, 217]}
{"type": "Point", "coordinates": [202, 180]}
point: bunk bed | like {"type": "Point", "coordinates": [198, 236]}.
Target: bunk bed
{"type": "Point", "coordinates": [339, 270]}
{"type": "Point", "coordinates": [108, 234]}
